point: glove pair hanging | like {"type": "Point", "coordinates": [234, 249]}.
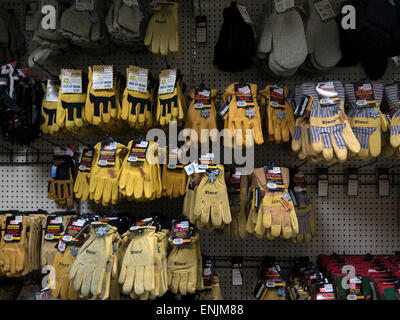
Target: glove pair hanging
{"type": "Point", "coordinates": [162, 30]}
{"type": "Point", "coordinates": [170, 101]}
{"type": "Point", "coordinates": [95, 265]}
{"type": "Point", "coordinates": [271, 210]}
{"type": "Point", "coordinates": [206, 202]}
{"type": "Point", "coordinates": [61, 182]}
{"type": "Point", "coordinates": [237, 185]}
{"type": "Point", "coordinates": [103, 100]}
{"type": "Point", "coordinates": [365, 117]}
{"type": "Point", "coordinates": [140, 177]}
{"type": "Point", "coordinates": [241, 116]}
{"type": "Point", "coordinates": [143, 261]}
{"type": "Point", "coordinates": [19, 244]}
{"type": "Point", "coordinates": [137, 101]}
{"type": "Point", "coordinates": [201, 117]}
{"type": "Point", "coordinates": [278, 116]}
{"type": "Point", "coordinates": [330, 131]}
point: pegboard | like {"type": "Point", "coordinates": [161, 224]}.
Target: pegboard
{"type": "Point", "coordinates": [352, 225]}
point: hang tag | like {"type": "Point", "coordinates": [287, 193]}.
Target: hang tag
{"type": "Point", "coordinates": [352, 182]}
{"type": "Point", "coordinates": [71, 81]}
{"type": "Point", "coordinates": [277, 95]}
{"type": "Point", "coordinates": [323, 183]}
{"type": "Point", "coordinates": [174, 159]}
{"type": "Point", "coordinates": [283, 5]}
{"type": "Point", "coordinates": [103, 77]}
{"type": "Point", "coordinates": [327, 94]}
{"type": "Point", "coordinates": [325, 10]}
{"type": "Point", "coordinates": [201, 29]}
{"type": "Point", "coordinates": [138, 151]}
{"type": "Point", "coordinates": [244, 98]}
{"type": "Point", "coordinates": [181, 232]}
{"type": "Point", "coordinates": [273, 176]}
{"type": "Point", "coordinates": [61, 246]}
{"type": "Point", "coordinates": [223, 112]}
{"type": "Point", "coordinates": [244, 14]}
{"type": "Point", "coordinates": [84, 5]}
{"type": "Point", "coordinates": [190, 169]}
{"type": "Point", "coordinates": [13, 230]}
{"type": "Point", "coordinates": [51, 91]}
{"type": "Point", "coordinates": [202, 98]}
{"type": "Point", "coordinates": [107, 154]}
{"type": "Point", "coordinates": [137, 79]}
{"type": "Point", "coordinates": [131, 3]}
{"type": "Point", "coordinates": [301, 108]}
{"type": "Point", "coordinates": [85, 163]}
{"type": "Point", "coordinates": [54, 228]}
{"type": "Point", "coordinates": [53, 173]}
{"type": "Point", "coordinates": [383, 182]}
{"type": "Point", "coordinates": [74, 227]}
{"type": "Point", "coordinates": [237, 271]}
{"type": "Point", "coordinates": [167, 81]}
{"type": "Point", "coordinates": [365, 97]}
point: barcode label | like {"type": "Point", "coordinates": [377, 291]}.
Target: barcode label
{"type": "Point", "coordinates": [167, 81]}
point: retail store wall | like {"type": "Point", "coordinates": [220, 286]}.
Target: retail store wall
{"type": "Point", "coordinates": [351, 225]}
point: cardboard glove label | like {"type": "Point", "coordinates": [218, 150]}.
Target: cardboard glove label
{"type": "Point", "coordinates": [107, 154]}
{"type": "Point", "coordinates": [13, 229]}
{"type": "Point", "coordinates": [54, 228]}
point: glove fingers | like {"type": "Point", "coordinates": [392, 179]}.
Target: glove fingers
{"type": "Point", "coordinates": [174, 285]}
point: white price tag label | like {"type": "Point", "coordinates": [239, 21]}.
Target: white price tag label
{"type": "Point", "coordinates": [283, 5]}
{"type": "Point", "coordinates": [102, 163]}
{"type": "Point", "coordinates": [237, 279]}
{"type": "Point", "coordinates": [61, 246]}
{"type": "Point", "coordinates": [242, 104]}
{"type": "Point", "coordinates": [167, 81]}
{"type": "Point", "coordinates": [103, 78]}
{"type": "Point", "coordinates": [245, 14]}
{"type": "Point", "coordinates": [80, 222]}
{"type": "Point", "coordinates": [328, 288]}
{"type": "Point", "coordinates": [207, 271]}
{"type": "Point", "coordinates": [71, 81]}
{"type": "Point", "coordinates": [57, 220]}
{"type": "Point", "coordinates": [184, 224]}
{"type": "Point", "coordinates": [325, 10]}
{"type": "Point", "coordinates": [178, 241]}
{"type": "Point", "coordinates": [84, 5]}
{"type": "Point", "coordinates": [271, 185]}
{"type": "Point", "coordinates": [134, 228]}
{"type": "Point", "coordinates": [383, 188]}
{"type": "Point", "coordinates": [190, 169]}
{"type": "Point", "coordinates": [8, 237]}
{"type": "Point", "coordinates": [67, 238]}
{"type": "Point", "coordinates": [352, 297]}
{"type": "Point", "coordinates": [270, 284]}
{"type": "Point", "coordinates": [352, 189]}
{"type": "Point", "coordinates": [51, 92]}
{"type": "Point", "coordinates": [322, 188]}
{"type": "Point", "coordinates": [198, 105]}
{"type": "Point", "coordinates": [49, 236]}
{"type": "Point", "coordinates": [276, 170]}
{"type": "Point", "coordinates": [18, 218]}
{"type": "Point", "coordinates": [137, 79]}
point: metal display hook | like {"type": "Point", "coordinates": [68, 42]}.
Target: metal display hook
{"type": "Point", "coordinates": [368, 164]}
{"type": "Point", "coordinates": [43, 68]}
{"type": "Point", "coordinates": [80, 141]}
{"type": "Point", "coordinates": [52, 143]}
